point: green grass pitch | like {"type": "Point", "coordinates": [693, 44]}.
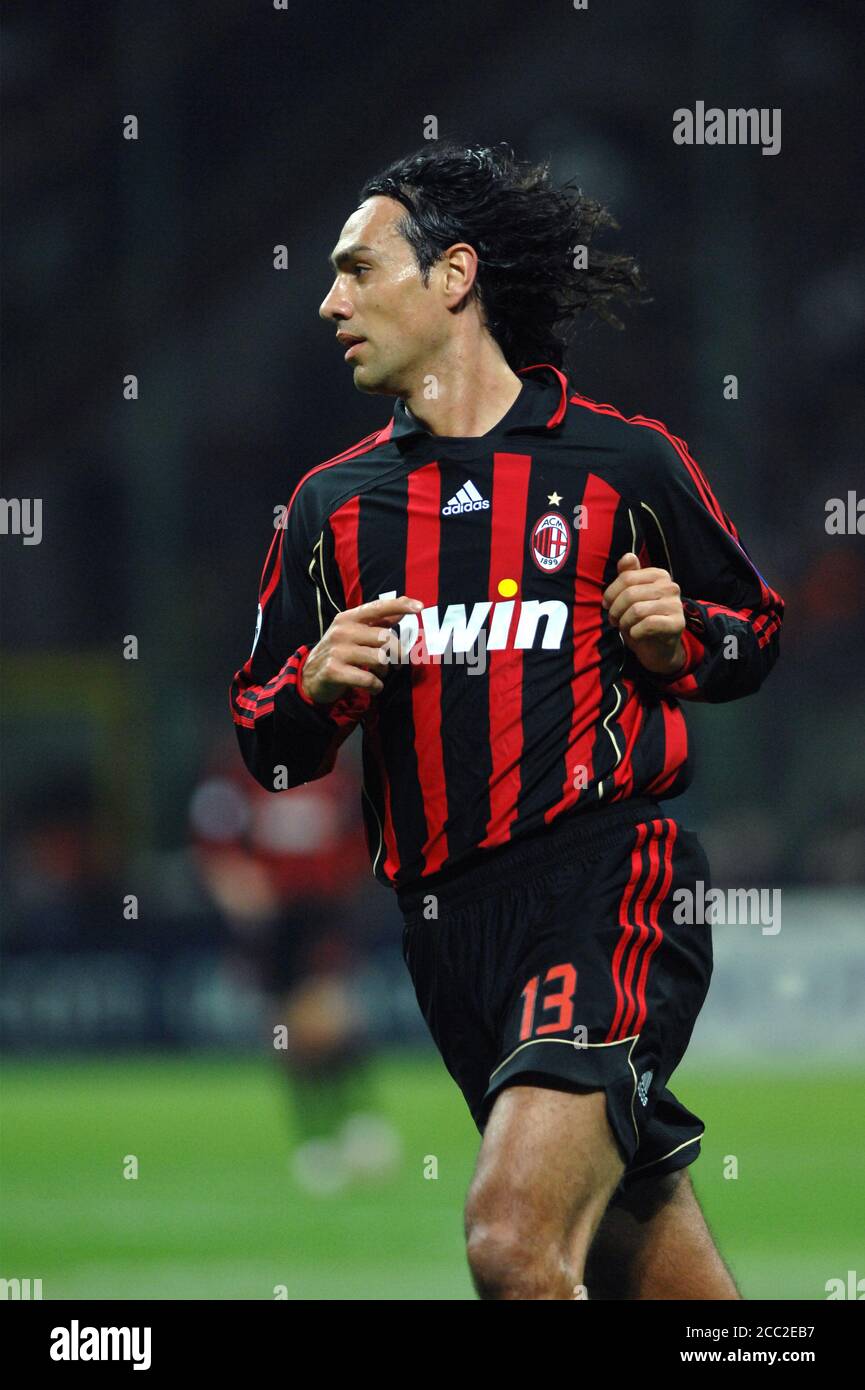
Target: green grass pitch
{"type": "Point", "coordinates": [214, 1213]}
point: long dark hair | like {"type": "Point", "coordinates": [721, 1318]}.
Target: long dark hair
{"type": "Point", "coordinates": [526, 233]}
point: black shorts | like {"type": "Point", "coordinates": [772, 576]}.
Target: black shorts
{"type": "Point", "coordinates": [558, 962]}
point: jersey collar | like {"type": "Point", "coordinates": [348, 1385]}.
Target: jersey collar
{"type": "Point", "coordinates": [541, 405]}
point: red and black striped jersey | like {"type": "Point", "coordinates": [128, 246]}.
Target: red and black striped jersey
{"type": "Point", "coordinates": [513, 701]}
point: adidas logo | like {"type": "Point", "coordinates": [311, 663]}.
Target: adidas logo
{"type": "Point", "coordinates": [468, 499]}
{"type": "Point", "coordinates": [643, 1087]}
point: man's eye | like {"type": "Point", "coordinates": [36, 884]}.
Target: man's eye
{"type": "Point", "coordinates": [359, 268]}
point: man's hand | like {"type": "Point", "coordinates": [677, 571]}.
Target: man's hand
{"type": "Point", "coordinates": [646, 608]}
{"type": "Point", "coordinates": [352, 649]}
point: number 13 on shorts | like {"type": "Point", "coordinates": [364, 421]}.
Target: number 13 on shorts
{"type": "Point", "coordinates": [538, 1016]}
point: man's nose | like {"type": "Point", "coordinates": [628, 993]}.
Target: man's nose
{"type": "Point", "coordinates": [334, 305]}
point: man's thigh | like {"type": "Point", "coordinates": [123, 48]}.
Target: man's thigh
{"type": "Point", "coordinates": [546, 1170]}
{"type": "Point", "coordinates": [654, 1243]}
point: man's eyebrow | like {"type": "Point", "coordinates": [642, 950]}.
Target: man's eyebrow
{"type": "Point", "coordinates": [342, 256]}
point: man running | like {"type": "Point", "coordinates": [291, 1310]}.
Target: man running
{"type": "Point", "coordinates": [511, 588]}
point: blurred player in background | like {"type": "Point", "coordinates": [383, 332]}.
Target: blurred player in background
{"type": "Point", "coordinates": [285, 873]}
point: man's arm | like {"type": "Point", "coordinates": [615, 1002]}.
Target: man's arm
{"type": "Point", "coordinates": [729, 616]}
{"type": "Point", "coordinates": [278, 725]}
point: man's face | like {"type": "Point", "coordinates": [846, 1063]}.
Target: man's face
{"type": "Point", "coordinates": [378, 295]}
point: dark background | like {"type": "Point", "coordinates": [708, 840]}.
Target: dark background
{"type": "Point", "coordinates": [257, 127]}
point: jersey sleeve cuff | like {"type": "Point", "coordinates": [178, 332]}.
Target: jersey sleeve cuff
{"type": "Point", "coordinates": [300, 659]}
{"type": "Point", "coordinates": [292, 700]}
{"type": "Point", "coordinates": [682, 682]}
{"type": "Point", "coordinates": [694, 653]}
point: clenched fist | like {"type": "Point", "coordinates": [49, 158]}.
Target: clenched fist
{"type": "Point", "coordinates": [353, 647]}
{"type": "Point", "coordinates": [645, 605]}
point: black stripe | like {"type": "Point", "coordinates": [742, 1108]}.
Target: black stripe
{"type": "Point", "coordinates": [613, 656]}
{"type": "Point", "coordinates": [381, 548]}
{"type": "Point", "coordinates": [464, 569]}
{"type": "Point", "coordinates": [547, 701]}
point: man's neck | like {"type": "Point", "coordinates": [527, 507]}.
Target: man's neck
{"type": "Point", "coordinates": [467, 404]}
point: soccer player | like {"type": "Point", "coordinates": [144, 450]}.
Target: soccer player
{"type": "Point", "coordinates": [512, 588]}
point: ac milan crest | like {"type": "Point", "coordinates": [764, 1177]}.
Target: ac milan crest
{"type": "Point", "coordinates": [551, 542]}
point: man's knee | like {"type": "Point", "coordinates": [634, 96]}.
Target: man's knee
{"type": "Point", "coordinates": [533, 1204]}
{"type": "Point", "coordinates": [509, 1262]}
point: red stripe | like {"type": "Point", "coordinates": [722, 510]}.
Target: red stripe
{"type": "Point", "coordinates": [344, 525]}
{"type": "Point", "coordinates": [559, 413]}
{"type": "Point", "coordinates": [655, 925]}
{"type": "Point", "coordinates": [675, 746]}
{"type": "Point", "coordinates": [708, 497]}
{"type": "Point", "coordinates": [768, 596]}
{"type": "Point", "coordinates": [746, 614]}
{"type": "Point", "coordinates": [772, 626]}
{"type": "Point", "coordinates": [421, 582]}
{"type": "Point", "coordinates": [629, 722]}
{"type": "Point", "coordinates": [628, 1021]}
{"type": "Point", "coordinates": [643, 931]}
{"type": "Point", "coordinates": [593, 553]}
{"type": "Point", "coordinates": [278, 535]}
{"type": "Point", "coordinates": [384, 435]}
{"type": "Point", "coordinates": [627, 929]}
{"type": "Point", "coordinates": [392, 859]}
{"type": "Point", "coordinates": [243, 677]}
{"type": "Point", "coordinates": [258, 699]}
{"type": "Point", "coordinates": [344, 712]}
{"type": "Point", "coordinates": [700, 480]}
{"type": "Point", "coordinates": [505, 667]}
{"type": "Point", "coordinates": [363, 446]}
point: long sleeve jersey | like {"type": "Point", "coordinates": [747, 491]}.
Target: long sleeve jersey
{"type": "Point", "coordinates": [511, 700]}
